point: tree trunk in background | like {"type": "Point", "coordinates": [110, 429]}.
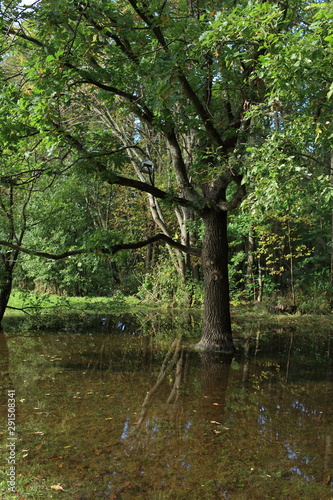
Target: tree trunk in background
{"type": "Point", "coordinates": [216, 333]}
{"type": "Point", "coordinates": [291, 264]}
{"type": "Point", "coordinates": [260, 281]}
{"type": "Point", "coordinates": [250, 281]}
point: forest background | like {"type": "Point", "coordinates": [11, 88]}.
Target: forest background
{"type": "Point", "coordinates": [126, 123]}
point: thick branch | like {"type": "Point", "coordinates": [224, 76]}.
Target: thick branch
{"type": "Point", "coordinates": [179, 165]}
{"type": "Point", "coordinates": [141, 111]}
{"type": "Point", "coordinates": [46, 255]}
{"type": "Point", "coordinates": [106, 251]}
{"type": "Point", "coordinates": [147, 188]}
{"type": "Point", "coordinates": [200, 108]}
{"type": "Point", "coordinates": [20, 33]}
{"type": "Point", "coordinates": [235, 201]}
{"type": "Point", "coordinates": [187, 88]}
{"type": "Point", "coordinates": [113, 178]}
{"type": "Point", "coordinates": [148, 241]}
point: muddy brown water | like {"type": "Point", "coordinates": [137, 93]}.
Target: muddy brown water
{"type": "Point", "coordinates": [117, 410]}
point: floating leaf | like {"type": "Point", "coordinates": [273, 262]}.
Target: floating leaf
{"type": "Point", "coordinates": [57, 487]}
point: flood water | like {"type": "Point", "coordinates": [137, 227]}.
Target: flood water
{"type": "Point", "coordinates": [123, 407]}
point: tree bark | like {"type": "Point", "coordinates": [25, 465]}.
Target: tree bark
{"type": "Point", "coordinates": [216, 334]}
{"type": "Point", "coordinates": [331, 172]}
{"type": "Point", "coordinates": [5, 291]}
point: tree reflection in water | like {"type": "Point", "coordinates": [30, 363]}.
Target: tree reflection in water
{"type": "Point", "coordinates": [5, 379]}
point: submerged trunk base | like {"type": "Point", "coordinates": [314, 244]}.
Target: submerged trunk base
{"type": "Point", "coordinates": [226, 347]}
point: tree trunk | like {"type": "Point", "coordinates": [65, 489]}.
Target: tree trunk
{"type": "Point", "coordinates": [260, 281]}
{"type": "Point", "coordinates": [5, 291]}
{"type": "Point", "coordinates": [250, 279]}
{"type": "Point", "coordinates": [291, 264]}
{"type": "Point", "coordinates": [216, 333]}
{"type": "Point", "coordinates": [331, 171]}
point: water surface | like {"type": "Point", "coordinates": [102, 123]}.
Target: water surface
{"type": "Point", "coordinates": [124, 408]}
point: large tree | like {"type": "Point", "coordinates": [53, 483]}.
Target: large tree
{"type": "Point", "coordinates": [178, 89]}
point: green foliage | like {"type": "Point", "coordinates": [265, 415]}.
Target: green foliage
{"type": "Point", "coordinates": [315, 293]}
{"type": "Point", "coordinates": [163, 284]}
{"type": "Point", "coordinates": [89, 92]}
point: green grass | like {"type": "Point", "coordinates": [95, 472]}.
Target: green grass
{"type": "Point", "coordinates": [22, 302]}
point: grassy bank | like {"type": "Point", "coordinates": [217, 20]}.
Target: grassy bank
{"type": "Point", "coordinates": [25, 303]}
{"type": "Point", "coordinates": [29, 305]}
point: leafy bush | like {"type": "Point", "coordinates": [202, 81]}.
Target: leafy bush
{"type": "Point", "coordinates": [320, 304]}
{"type": "Point", "coordinates": [165, 284]}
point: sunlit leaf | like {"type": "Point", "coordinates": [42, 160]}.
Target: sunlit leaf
{"type": "Point", "coordinates": [57, 487]}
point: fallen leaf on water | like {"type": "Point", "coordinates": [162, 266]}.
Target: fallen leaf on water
{"type": "Point", "coordinates": [57, 487]}
{"type": "Point", "coordinates": [216, 404]}
{"type": "Point", "coordinates": [327, 479]}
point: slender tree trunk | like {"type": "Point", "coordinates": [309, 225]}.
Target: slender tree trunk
{"type": "Point", "coordinates": [216, 333]}
{"type": "Point", "coordinates": [260, 281]}
{"type": "Point", "coordinates": [250, 280]}
{"type": "Point", "coordinates": [291, 263]}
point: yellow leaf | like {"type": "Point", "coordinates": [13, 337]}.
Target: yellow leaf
{"type": "Point", "coordinates": [57, 487]}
